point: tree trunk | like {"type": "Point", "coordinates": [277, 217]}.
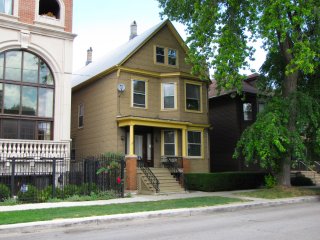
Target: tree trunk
{"type": "Point", "coordinates": [289, 86]}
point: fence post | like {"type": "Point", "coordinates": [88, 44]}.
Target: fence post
{"type": "Point", "coordinates": [54, 162]}
{"type": "Point", "coordinates": [122, 177]}
{"type": "Point", "coordinates": [13, 169]}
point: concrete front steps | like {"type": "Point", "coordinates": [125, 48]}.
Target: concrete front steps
{"type": "Point", "coordinates": [167, 183]}
{"type": "Point", "coordinates": [314, 176]}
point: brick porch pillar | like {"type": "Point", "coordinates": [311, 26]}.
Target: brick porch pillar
{"type": "Point", "coordinates": [131, 172]}
{"type": "Point", "coordinates": [186, 165]}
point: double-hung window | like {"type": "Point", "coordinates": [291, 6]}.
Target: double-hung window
{"type": "Point", "coordinates": [193, 97]}
{"type": "Point", "coordinates": [247, 111]}
{"type": "Point", "coordinates": [166, 56]}
{"type": "Point", "coordinates": [172, 57]}
{"type": "Point", "coordinates": [168, 96]}
{"type": "Point", "coordinates": [194, 144]}
{"type": "Point", "coordinates": [6, 6]}
{"type": "Point", "coordinates": [80, 115]}
{"type": "Point", "coordinates": [169, 142]}
{"type": "Point", "coordinates": [160, 55]}
{"type": "Point", "coordinates": [139, 89]}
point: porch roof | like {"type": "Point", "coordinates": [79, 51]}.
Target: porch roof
{"type": "Point", "coordinates": [161, 123]}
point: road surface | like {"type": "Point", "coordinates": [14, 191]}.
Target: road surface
{"type": "Point", "coordinates": [297, 221]}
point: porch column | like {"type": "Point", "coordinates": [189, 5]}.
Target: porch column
{"type": "Point", "coordinates": [185, 161]}
{"type": "Point", "coordinates": [131, 163]}
{"type": "Point", "coordinates": [184, 142]}
{"type": "Point", "coordinates": [131, 172]}
{"type": "Point", "coordinates": [131, 144]}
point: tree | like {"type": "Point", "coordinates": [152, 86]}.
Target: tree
{"type": "Point", "coordinates": [222, 33]}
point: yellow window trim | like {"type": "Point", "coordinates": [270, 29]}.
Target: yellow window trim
{"type": "Point", "coordinates": [166, 56]}
{"type": "Point", "coordinates": [201, 130]}
{"type": "Point", "coordinates": [185, 96]}
{"type": "Point", "coordinates": [175, 141]}
{"type": "Point", "coordinates": [146, 92]}
{"type": "Point", "coordinates": [175, 97]}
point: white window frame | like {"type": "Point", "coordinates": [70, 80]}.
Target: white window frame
{"type": "Point", "coordinates": [247, 115]}
{"type": "Point", "coordinates": [163, 142]}
{"type": "Point", "coordinates": [145, 94]}
{"type": "Point", "coordinates": [174, 95]}
{"type": "Point", "coordinates": [80, 115]}
{"type": "Point", "coordinates": [199, 144]}
{"type": "Point", "coordinates": [15, 11]}
{"type": "Point", "coordinates": [39, 19]}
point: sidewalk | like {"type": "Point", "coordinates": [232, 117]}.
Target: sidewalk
{"type": "Point", "coordinates": [250, 203]}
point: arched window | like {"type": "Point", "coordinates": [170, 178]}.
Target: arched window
{"type": "Point", "coordinates": [49, 8]}
{"type": "Point", "coordinates": [26, 96]}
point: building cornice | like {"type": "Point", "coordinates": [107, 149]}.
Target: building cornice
{"type": "Point", "coordinates": [15, 25]}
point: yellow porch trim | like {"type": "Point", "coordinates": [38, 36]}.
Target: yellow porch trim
{"type": "Point", "coordinates": [149, 122]}
{"type": "Point", "coordinates": [161, 123]}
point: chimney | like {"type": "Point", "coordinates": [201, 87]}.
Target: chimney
{"type": "Point", "coordinates": [89, 56]}
{"type": "Point", "coordinates": [133, 30]}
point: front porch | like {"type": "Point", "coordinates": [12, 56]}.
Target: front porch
{"type": "Point", "coordinates": [151, 142]}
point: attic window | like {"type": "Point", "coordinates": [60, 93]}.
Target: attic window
{"type": "Point", "coordinates": [49, 8]}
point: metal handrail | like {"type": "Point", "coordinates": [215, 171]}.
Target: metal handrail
{"type": "Point", "coordinates": [150, 175]}
{"type": "Point", "coordinates": [171, 164]}
{"type": "Point", "coordinates": [307, 166]}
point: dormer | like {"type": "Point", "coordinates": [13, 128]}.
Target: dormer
{"type": "Point", "coordinates": [50, 13]}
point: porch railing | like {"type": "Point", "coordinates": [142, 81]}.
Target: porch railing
{"type": "Point", "coordinates": [175, 165]}
{"type": "Point", "coordinates": [149, 174]}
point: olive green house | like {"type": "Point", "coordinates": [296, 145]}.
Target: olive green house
{"type": "Point", "coordinates": [141, 100]}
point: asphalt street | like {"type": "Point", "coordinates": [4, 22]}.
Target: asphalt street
{"type": "Point", "coordinates": [294, 221]}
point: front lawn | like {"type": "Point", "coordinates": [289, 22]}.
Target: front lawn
{"type": "Point", "coordinates": [88, 211]}
{"type": "Point", "coordinates": [281, 192]}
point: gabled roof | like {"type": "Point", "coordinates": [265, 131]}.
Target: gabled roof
{"type": "Point", "coordinates": [119, 55]}
{"type": "Point", "coordinates": [247, 87]}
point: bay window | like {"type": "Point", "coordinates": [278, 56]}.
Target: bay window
{"type": "Point", "coordinates": [139, 93]}
{"type": "Point", "coordinates": [168, 96]}
{"type": "Point", "coordinates": [193, 97]}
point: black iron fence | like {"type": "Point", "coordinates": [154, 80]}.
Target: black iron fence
{"type": "Point", "coordinates": [37, 179]}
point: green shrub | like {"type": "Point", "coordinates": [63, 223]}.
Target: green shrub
{"type": "Point", "coordinates": [4, 192]}
{"type": "Point", "coordinates": [68, 191]}
{"type": "Point", "coordinates": [87, 189]}
{"type": "Point", "coordinates": [301, 181]}
{"type": "Point", "coordinates": [30, 196]}
{"type": "Point", "coordinates": [270, 181]}
{"type": "Point", "coordinates": [210, 182]}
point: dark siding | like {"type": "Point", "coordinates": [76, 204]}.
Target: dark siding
{"type": "Point", "coordinates": [226, 119]}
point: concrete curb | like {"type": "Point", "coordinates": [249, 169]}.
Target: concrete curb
{"type": "Point", "coordinates": [153, 214]}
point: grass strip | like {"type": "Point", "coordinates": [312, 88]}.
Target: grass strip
{"type": "Point", "coordinates": [88, 211]}
{"type": "Point", "coordinates": [281, 192]}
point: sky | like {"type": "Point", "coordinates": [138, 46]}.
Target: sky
{"type": "Point", "coordinates": [105, 25]}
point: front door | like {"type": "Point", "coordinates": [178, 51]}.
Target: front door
{"type": "Point", "coordinates": [143, 146]}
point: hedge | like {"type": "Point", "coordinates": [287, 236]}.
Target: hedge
{"type": "Point", "coordinates": [211, 182]}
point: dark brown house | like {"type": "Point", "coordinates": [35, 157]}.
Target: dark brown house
{"type": "Point", "coordinates": [230, 115]}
